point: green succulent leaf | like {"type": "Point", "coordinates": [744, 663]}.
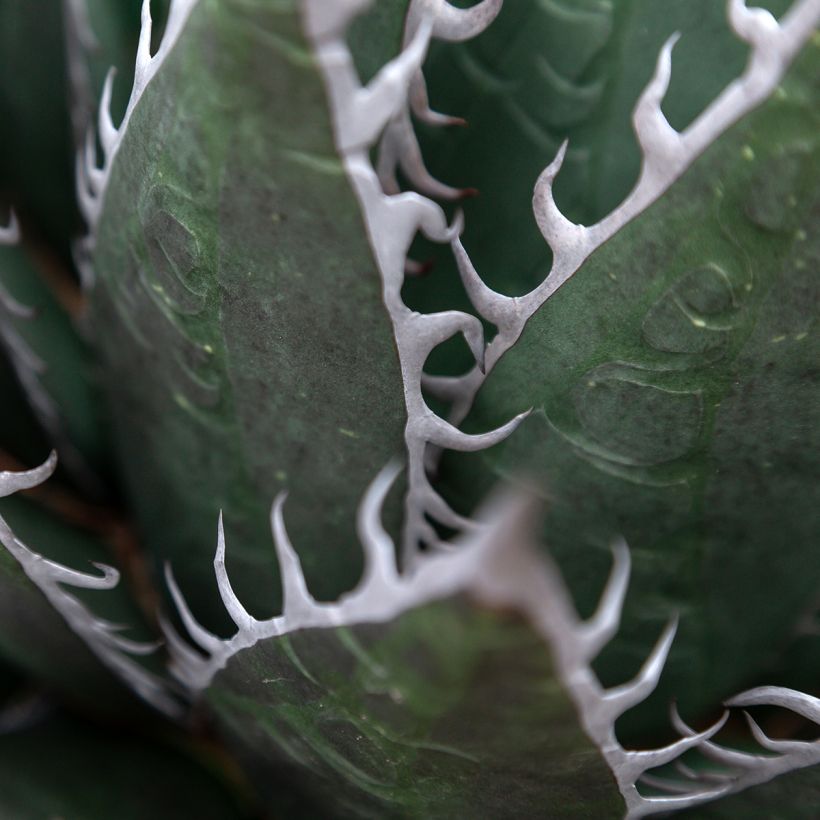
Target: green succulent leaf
{"type": "Point", "coordinates": [415, 694]}
{"type": "Point", "coordinates": [46, 103]}
{"type": "Point", "coordinates": [673, 384]}
{"type": "Point", "coordinates": [59, 599]}
{"type": "Point", "coordinates": [546, 72]}
{"type": "Point", "coordinates": [36, 163]}
{"type": "Point", "coordinates": [54, 367]}
{"type": "Point", "coordinates": [65, 767]}
{"type": "Point", "coordinates": [239, 319]}
{"type": "Point", "coordinates": [446, 711]}
{"type": "Point", "coordinates": [21, 437]}
{"type": "Point", "coordinates": [257, 223]}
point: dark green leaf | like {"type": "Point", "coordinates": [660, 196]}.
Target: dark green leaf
{"type": "Point", "coordinates": [673, 380]}
{"type": "Point", "coordinates": [446, 712]}
{"type": "Point", "coordinates": [65, 767]}
{"type": "Point", "coordinates": [238, 312]}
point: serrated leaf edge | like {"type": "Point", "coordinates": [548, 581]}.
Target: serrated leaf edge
{"type": "Point", "coordinates": [499, 566]}
{"type": "Point", "coordinates": [28, 367]}
{"type": "Point", "coordinates": [93, 172]}
{"type": "Point", "coordinates": [364, 116]}
{"type": "Point", "coordinates": [102, 637]}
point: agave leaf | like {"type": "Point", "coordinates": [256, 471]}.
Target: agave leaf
{"type": "Point", "coordinates": [375, 36]}
{"type": "Point", "coordinates": [672, 378]}
{"type": "Point", "coordinates": [446, 711]}
{"type": "Point", "coordinates": [59, 599]}
{"type": "Point", "coordinates": [100, 37]}
{"type": "Point", "coordinates": [239, 317]}
{"type": "Point", "coordinates": [22, 438]}
{"type": "Point", "coordinates": [542, 73]}
{"type": "Point", "coordinates": [391, 718]}
{"type": "Point", "coordinates": [36, 163]}
{"type": "Point", "coordinates": [53, 365]}
{"type": "Point", "coordinates": [416, 693]}
{"type": "Point", "coordinates": [45, 103]}
{"type": "Point", "coordinates": [66, 767]}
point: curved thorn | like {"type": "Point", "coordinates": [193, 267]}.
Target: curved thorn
{"type": "Point", "coordinates": [10, 234]}
{"type": "Point", "coordinates": [109, 579]}
{"type": "Point", "coordinates": [490, 304]}
{"type": "Point", "coordinates": [108, 132]}
{"type": "Point", "coordinates": [239, 615]}
{"type": "Point", "coordinates": [400, 148]}
{"type": "Point", "coordinates": [636, 763]}
{"type": "Point", "coordinates": [297, 601]}
{"type": "Point", "coordinates": [781, 746]}
{"type": "Point", "coordinates": [752, 25]}
{"type": "Point", "coordinates": [12, 482]}
{"type": "Point", "coordinates": [201, 636]}
{"type": "Point", "coordinates": [453, 24]}
{"type": "Point", "coordinates": [444, 434]}
{"type": "Point", "coordinates": [131, 647]}
{"type": "Point", "coordinates": [442, 512]}
{"type": "Point", "coordinates": [379, 549]}
{"type": "Point", "coordinates": [446, 388]}
{"type": "Point", "coordinates": [621, 698]}
{"type": "Point", "coordinates": [712, 750]}
{"type": "Point", "coordinates": [565, 238]}
{"type": "Point", "coordinates": [661, 783]}
{"type": "Point", "coordinates": [599, 630]}
{"type": "Point", "coordinates": [659, 141]}
{"type": "Point", "coordinates": [180, 650]}
{"type": "Point", "coordinates": [420, 106]}
{"type": "Point", "coordinates": [805, 705]}
{"type": "Point", "coordinates": [144, 44]}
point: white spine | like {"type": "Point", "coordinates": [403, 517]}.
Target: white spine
{"type": "Point", "coordinates": [361, 117]}
{"type": "Point", "coordinates": [102, 637]}
{"type": "Point", "coordinates": [741, 770]}
{"type": "Point", "coordinates": [93, 173]}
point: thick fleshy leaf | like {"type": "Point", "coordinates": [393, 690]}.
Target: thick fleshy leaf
{"type": "Point", "coordinates": [238, 316]}
{"type": "Point", "coordinates": [545, 72]}
{"type": "Point", "coordinates": [65, 767]}
{"type": "Point", "coordinates": [463, 686]}
{"type": "Point", "coordinates": [59, 599]}
{"type": "Point", "coordinates": [375, 36]}
{"type": "Point", "coordinates": [45, 103]}
{"type": "Point", "coordinates": [102, 36]}
{"type": "Point", "coordinates": [446, 712]}
{"type": "Point", "coordinates": [673, 384]}
{"type": "Point", "coordinates": [36, 162]}
{"type": "Point", "coordinates": [20, 435]}
{"type": "Point", "coordinates": [54, 367]}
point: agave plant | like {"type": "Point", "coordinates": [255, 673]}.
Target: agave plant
{"type": "Point", "coordinates": [371, 497]}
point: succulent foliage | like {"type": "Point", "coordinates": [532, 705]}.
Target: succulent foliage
{"type": "Point", "coordinates": [429, 390]}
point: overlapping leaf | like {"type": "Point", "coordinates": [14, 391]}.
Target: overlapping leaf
{"type": "Point", "coordinates": [238, 316]}
{"type": "Point", "coordinates": [673, 384]}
